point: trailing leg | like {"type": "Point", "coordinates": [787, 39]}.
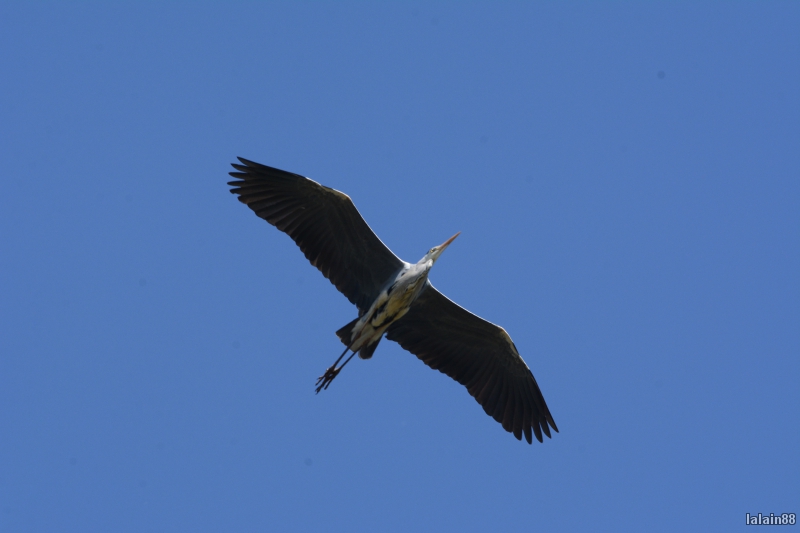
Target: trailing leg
{"type": "Point", "coordinates": [326, 378]}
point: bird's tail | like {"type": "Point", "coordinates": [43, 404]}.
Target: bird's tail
{"type": "Point", "coordinates": [346, 332]}
{"type": "Point", "coordinates": [367, 351]}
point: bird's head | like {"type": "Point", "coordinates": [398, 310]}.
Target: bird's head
{"type": "Point", "coordinates": [434, 253]}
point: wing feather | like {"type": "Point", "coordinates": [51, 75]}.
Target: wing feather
{"type": "Point", "coordinates": [479, 355]}
{"type": "Point", "coordinates": [324, 223]}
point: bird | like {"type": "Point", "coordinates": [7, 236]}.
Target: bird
{"type": "Point", "coordinates": [395, 298]}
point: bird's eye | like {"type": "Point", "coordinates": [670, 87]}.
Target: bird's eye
{"type": "Point", "coordinates": [431, 250]}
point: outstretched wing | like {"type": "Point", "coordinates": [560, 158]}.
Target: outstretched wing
{"type": "Point", "coordinates": [326, 226]}
{"type": "Point", "coordinates": [479, 355]}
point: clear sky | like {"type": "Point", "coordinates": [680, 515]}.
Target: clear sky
{"type": "Point", "coordinates": [626, 178]}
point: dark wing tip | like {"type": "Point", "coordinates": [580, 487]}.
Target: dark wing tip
{"type": "Point", "coordinates": [528, 436]}
{"type": "Point", "coordinates": [246, 167]}
{"type": "Point", "coordinates": [241, 173]}
{"type": "Point", "coordinates": [247, 162]}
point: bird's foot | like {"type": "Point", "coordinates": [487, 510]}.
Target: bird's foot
{"type": "Point", "coordinates": [326, 378]}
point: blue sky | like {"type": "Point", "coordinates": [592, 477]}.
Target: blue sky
{"type": "Point", "coordinates": [626, 180]}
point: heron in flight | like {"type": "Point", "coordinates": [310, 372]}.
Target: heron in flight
{"type": "Point", "coordinates": [395, 298]}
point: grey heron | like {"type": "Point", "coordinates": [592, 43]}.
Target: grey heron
{"type": "Point", "coordinates": [395, 298]}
